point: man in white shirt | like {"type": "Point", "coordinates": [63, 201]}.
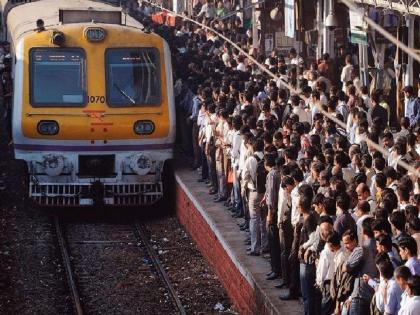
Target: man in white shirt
{"type": "Point", "coordinates": [362, 213]}
{"type": "Point", "coordinates": [241, 64]}
{"type": "Point", "coordinates": [221, 131]}
{"type": "Point", "coordinates": [411, 305]}
{"type": "Point", "coordinates": [257, 226]}
{"type": "Point", "coordinates": [235, 152]}
{"type": "Point", "coordinates": [284, 209]}
{"type": "Point", "coordinates": [401, 276]}
{"type": "Point", "coordinates": [295, 59]}
{"type": "Point", "coordinates": [325, 267]}
{"type": "Point", "coordinates": [346, 72]}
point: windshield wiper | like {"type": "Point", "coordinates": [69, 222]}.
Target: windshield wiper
{"type": "Point", "coordinates": [124, 94]}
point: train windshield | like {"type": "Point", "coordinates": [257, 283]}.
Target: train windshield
{"type": "Point", "coordinates": [57, 77]}
{"type": "Point", "coordinates": [133, 77]}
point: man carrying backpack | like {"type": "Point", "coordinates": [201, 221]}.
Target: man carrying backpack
{"type": "Point", "coordinates": [254, 179]}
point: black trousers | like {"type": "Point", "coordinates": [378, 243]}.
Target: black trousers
{"type": "Point", "coordinates": [327, 303]}
{"type": "Point", "coordinates": [285, 241]}
{"type": "Point", "coordinates": [294, 285]}
{"type": "Point", "coordinates": [274, 244]}
{"type": "Point", "coordinates": [205, 169]}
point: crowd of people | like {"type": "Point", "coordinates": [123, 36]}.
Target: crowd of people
{"type": "Point", "coordinates": [337, 218]}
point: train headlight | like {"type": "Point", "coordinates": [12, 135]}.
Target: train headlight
{"type": "Point", "coordinates": [144, 127]}
{"type": "Point", "coordinates": [48, 127]}
{"type": "Point", "coordinates": [141, 164]}
{"type": "Point", "coordinates": [53, 164]}
{"type": "Point", "coordinates": [95, 34]}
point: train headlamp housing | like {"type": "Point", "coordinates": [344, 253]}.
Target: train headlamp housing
{"type": "Point", "coordinates": [53, 164]}
{"type": "Point", "coordinates": [58, 38]}
{"type": "Point", "coordinates": [144, 127]}
{"type": "Point", "coordinates": [48, 127]}
{"type": "Point", "coordinates": [95, 34]}
{"type": "Point", "coordinates": [141, 164]}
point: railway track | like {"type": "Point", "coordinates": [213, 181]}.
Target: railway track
{"type": "Point", "coordinates": [111, 267]}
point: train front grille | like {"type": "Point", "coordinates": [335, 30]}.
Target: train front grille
{"type": "Point", "coordinates": [72, 194]}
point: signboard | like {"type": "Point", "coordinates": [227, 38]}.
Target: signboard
{"type": "Point", "coordinates": [283, 43]}
{"type": "Point", "coordinates": [289, 18]}
{"type": "Point", "coordinates": [269, 43]}
{"type": "Point", "coordinates": [358, 34]}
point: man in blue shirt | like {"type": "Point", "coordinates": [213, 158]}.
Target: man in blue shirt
{"type": "Point", "coordinates": [413, 106]}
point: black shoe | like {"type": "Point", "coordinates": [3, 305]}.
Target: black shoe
{"type": "Point", "coordinates": [212, 192]}
{"type": "Point", "coordinates": [288, 297]}
{"type": "Point", "coordinates": [269, 273]}
{"type": "Point", "coordinates": [273, 276]}
{"type": "Point", "coordinates": [220, 199]}
{"type": "Point", "coordinates": [250, 253]}
{"type": "Point", "coordinates": [227, 204]}
{"type": "Point", "coordinates": [201, 180]}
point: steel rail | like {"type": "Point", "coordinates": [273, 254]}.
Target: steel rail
{"type": "Point", "coordinates": [67, 265]}
{"type": "Point", "coordinates": [138, 231]}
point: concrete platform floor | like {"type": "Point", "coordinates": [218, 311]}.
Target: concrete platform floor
{"type": "Point", "coordinates": [226, 229]}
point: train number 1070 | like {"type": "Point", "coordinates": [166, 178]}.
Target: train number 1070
{"type": "Point", "coordinates": [96, 99]}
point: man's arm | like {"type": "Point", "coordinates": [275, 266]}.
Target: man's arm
{"type": "Point", "coordinates": [354, 260]}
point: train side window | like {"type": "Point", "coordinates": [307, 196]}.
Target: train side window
{"type": "Point", "coordinates": [57, 77]}
{"type": "Point", "coordinates": [132, 77]}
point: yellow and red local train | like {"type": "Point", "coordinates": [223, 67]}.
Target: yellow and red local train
{"type": "Point", "coordinates": [93, 105]}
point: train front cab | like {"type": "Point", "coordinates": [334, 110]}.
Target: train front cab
{"type": "Point", "coordinates": [96, 121]}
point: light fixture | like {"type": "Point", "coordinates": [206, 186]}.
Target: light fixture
{"type": "Point", "coordinates": [276, 14]}
{"type": "Point", "coordinates": [331, 21]}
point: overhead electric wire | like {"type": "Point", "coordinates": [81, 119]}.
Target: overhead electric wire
{"type": "Point", "coordinates": [375, 145]}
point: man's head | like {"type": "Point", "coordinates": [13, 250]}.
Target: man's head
{"type": "Point", "coordinates": [333, 242]}
{"type": "Point", "coordinates": [363, 208]}
{"type": "Point", "coordinates": [413, 284]}
{"type": "Point", "coordinates": [325, 227]}
{"type": "Point", "coordinates": [304, 205]}
{"type": "Point", "coordinates": [288, 183]}
{"type": "Point", "coordinates": [343, 202]}
{"type": "Point", "coordinates": [385, 268]}
{"type": "Point", "coordinates": [388, 140]}
{"type": "Point", "coordinates": [409, 91]}
{"type": "Point", "coordinates": [363, 192]}
{"type": "Point", "coordinates": [349, 239]}
{"type": "Point", "coordinates": [383, 243]}
{"type": "Point", "coordinates": [408, 248]}
{"type": "Point", "coordinates": [401, 275]}
{"type": "Point", "coordinates": [381, 226]}
{"type": "Point", "coordinates": [397, 219]}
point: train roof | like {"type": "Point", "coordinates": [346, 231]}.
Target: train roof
{"type": "Point", "coordinates": [22, 18]}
